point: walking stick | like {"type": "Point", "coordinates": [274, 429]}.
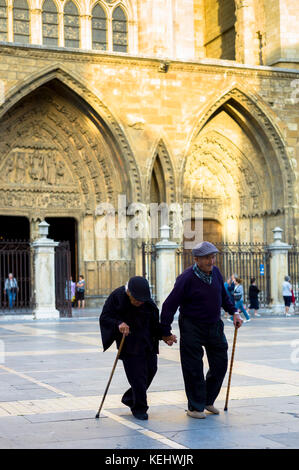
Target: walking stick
{"type": "Point", "coordinates": [111, 375]}
{"type": "Point", "coordinates": [231, 368]}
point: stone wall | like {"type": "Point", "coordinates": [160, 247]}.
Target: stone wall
{"type": "Point", "coordinates": [226, 136]}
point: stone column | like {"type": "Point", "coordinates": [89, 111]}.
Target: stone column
{"type": "Point", "coordinates": [247, 41]}
{"type": "Point", "coordinates": [44, 274]}
{"type": "Point", "coordinates": [278, 270]}
{"type": "Point", "coordinates": [10, 21]}
{"type": "Point", "coordinates": [165, 265]}
{"type": "Point", "coordinates": [36, 26]}
{"type": "Point", "coordinates": [85, 31]}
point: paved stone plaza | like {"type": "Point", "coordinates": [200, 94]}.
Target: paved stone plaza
{"type": "Point", "coordinates": [53, 374]}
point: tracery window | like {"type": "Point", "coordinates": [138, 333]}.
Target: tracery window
{"type": "Point", "coordinates": [21, 21]}
{"type": "Point", "coordinates": [99, 28]}
{"type": "Point", "coordinates": [3, 21]}
{"type": "Point", "coordinates": [50, 23]}
{"type": "Point", "coordinates": [119, 30]}
{"type": "Point", "coordinates": [71, 26]}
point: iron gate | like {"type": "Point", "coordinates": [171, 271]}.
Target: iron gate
{"type": "Point", "coordinates": [293, 270]}
{"type": "Point", "coordinates": [16, 258]}
{"type": "Point", "coordinates": [62, 279]}
{"type": "Point", "coordinates": [247, 260]}
{"type": "Point", "coordinates": [149, 265]}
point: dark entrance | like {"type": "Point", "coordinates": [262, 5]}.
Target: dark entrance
{"type": "Point", "coordinates": [63, 289]}
{"type": "Point", "coordinates": [64, 229]}
{"type": "Point", "coordinates": [15, 258]}
{"type": "Point", "coordinates": [14, 228]}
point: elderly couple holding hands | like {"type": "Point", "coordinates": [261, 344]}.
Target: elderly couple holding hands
{"type": "Point", "coordinates": [199, 293]}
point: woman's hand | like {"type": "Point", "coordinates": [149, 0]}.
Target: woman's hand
{"type": "Point", "coordinates": [124, 328]}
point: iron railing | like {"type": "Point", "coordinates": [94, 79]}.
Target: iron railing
{"type": "Point", "coordinates": [293, 270]}
{"type": "Point", "coordinates": [149, 265]}
{"type": "Point", "coordinates": [63, 279]}
{"type": "Point", "coordinates": [16, 257]}
{"type": "Point", "coordinates": [246, 260]}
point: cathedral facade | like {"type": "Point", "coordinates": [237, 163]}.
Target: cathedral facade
{"type": "Point", "coordinates": [156, 101]}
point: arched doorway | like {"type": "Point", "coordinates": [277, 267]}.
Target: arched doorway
{"type": "Point", "coordinates": [14, 228]}
{"type": "Point", "coordinates": [15, 258]}
{"type": "Point", "coordinates": [239, 172]}
{"type": "Point", "coordinates": [212, 231]}
{"type": "Point", "coordinates": [60, 158]}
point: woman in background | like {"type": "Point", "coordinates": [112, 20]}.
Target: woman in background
{"type": "Point", "coordinates": [239, 298]}
{"type": "Point", "coordinates": [253, 297]}
{"type": "Point", "coordinates": [287, 294]}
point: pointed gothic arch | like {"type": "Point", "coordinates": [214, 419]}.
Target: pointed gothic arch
{"type": "Point", "coordinates": [164, 168]}
{"type": "Point", "coordinates": [99, 114]}
{"type": "Point", "coordinates": [259, 117]}
{"type": "Point", "coordinates": [268, 179]}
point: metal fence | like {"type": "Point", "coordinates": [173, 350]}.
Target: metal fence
{"type": "Point", "coordinates": [149, 265]}
{"type": "Point", "coordinates": [16, 258]}
{"type": "Point", "coordinates": [62, 279]}
{"type": "Point", "coordinates": [248, 261]}
{"type": "Point", "coordinates": [293, 270]}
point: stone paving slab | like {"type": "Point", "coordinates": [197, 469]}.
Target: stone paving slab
{"type": "Point", "coordinates": [54, 373]}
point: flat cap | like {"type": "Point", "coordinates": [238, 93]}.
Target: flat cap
{"type": "Point", "coordinates": [204, 248]}
{"type": "Point", "coordinates": [139, 288]}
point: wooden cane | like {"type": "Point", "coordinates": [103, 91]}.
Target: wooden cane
{"type": "Point", "coordinates": [111, 375]}
{"type": "Point", "coordinates": [231, 368]}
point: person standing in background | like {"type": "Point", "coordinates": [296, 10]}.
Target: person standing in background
{"type": "Point", "coordinates": [227, 286]}
{"type": "Point", "coordinates": [253, 297]}
{"type": "Point", "coordinates": [10, 289]}
{"type": "Point", "coordinates": [239, 298]}
{"type": "Point", "coordinates": [81, 291]}
{"type": "Point", "coordinates": [287, 294]}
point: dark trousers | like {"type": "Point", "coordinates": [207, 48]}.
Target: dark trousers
{"type": "Point", "coordinates": [140, 371]}
{"type": "Point", "coordinates": [202, 391]}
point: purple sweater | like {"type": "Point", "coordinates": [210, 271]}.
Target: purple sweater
{"type": "Point", "coordinates": [196, 299]}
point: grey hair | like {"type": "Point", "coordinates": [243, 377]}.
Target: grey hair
{"type": "Point", "coordinates": [287, 278]}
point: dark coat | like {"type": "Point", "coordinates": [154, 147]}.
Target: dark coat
{"type": "Point", "coordinates": [143, 322]}
{"type": "Point", "coordinates": [253, 297]}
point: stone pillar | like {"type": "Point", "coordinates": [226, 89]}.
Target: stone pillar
{"type": "Point", "coordinates": [44, 274]}
{"type": "Point", "coordinates": [165, 265]}
{"type": "Point", "coordinates": [36, 26]}
{"type": "Point", "coordinates": [278, 270]}
{"type": "Point", "coordinates": [247, 40]}
{"type": "Point", "coordinates": [85, 31]}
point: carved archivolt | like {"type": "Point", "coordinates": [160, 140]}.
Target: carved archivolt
{"type": "Point", "coordinates": [119, 171]}
{"type": "Point", "coordinates": [274, 148]}
{"type": "Point", "coordinates": [224, 180]}
{"type": "Point", "coordinates": [168, 174]}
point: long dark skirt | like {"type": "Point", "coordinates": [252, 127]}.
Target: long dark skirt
{"type": "Point", "coordinates": [254, 304]}
{"type": "Point", "coordinates": [140, 371]}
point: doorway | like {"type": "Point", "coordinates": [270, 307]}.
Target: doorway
{"type": "Point", "coordinates": [65, 229]}
{"type": "Point", "coordinates": [15, 258]}
{"type": "Point", "coordinates": [14, 228]}
{"type": "Point", "coordinates": [211, 232]}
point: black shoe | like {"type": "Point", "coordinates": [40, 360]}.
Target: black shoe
{"type": "Point", "coordinates": [140, 415]}
{"type": "Point", "coordinates": [126, 402]}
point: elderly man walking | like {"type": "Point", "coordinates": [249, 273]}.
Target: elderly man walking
{"type": "Point", "coordinates": [199, 292]}
{"type": "Point", "coordinates": [130, 310]}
